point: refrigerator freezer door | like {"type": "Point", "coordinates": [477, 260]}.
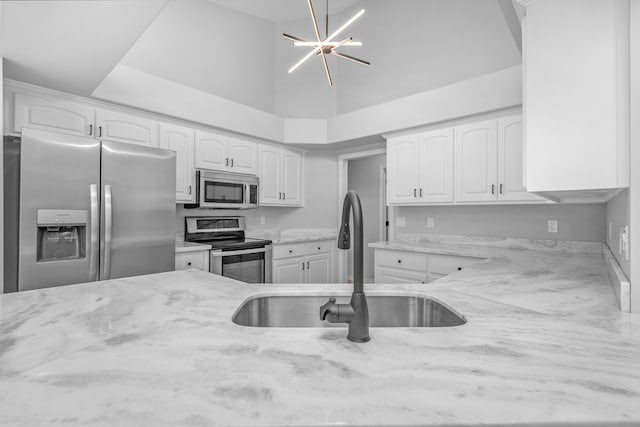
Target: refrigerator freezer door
{"type": "Point", "coordinates": [138, 231]}
{"type": "Point", "coordinates": [56, 175]}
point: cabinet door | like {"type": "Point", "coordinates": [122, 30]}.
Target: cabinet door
{"type": "Point", "coordinates": [402, 170]}
{"type": "Point", "coordinates": [291, 178]}
{"type": "Point", "coordinates": [435, 153]}
{"type": "Point", "coordinates": [288, 270]}
{"type": "Point", "coordinates": [243, 156]}
{"type": "Point", "coordinates": [511, 160]}
{"type": "Point", "coordinates": [318, 268]}
{"type": "Point", "coordinates": [181, 140]}
{"type": "Point", "coordinates": [121, 127]}
{"type": "Point", "coordinates": [270, 176]}
{"type": "Point", "coordinates": [394, 275]}
{"type": "Point", "coordinates": [211, 151]}
{"type": "Point", "coordinates": [476, 156]}
{"type": "Point", "coordinates": [52, 115]}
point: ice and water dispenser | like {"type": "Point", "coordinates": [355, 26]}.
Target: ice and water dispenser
{"type": "Point", "coordinates": [61, 234]}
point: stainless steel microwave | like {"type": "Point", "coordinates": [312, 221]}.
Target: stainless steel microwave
{"type": "Point", "coordinates": [222, 190]}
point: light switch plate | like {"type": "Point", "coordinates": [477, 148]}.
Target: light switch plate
{"type": "Point", "coordinates": [624, 241]}
{"type": "Point", "coordinates": [610, 230]}
{"type": "Point", "coordinates": [552, 226]}
{"type": "Point", "coordinates": [263, 220]}
{"type": "Point", "coordinates": [401, 221]}
{"type": "Point", "coordinates": [430, 223]}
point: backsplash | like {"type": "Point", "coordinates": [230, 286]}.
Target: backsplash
{"type": "Point", "coordinates": [585, 222]}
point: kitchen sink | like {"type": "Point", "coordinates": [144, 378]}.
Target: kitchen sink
{"type": "Point", "coordinates": [385, 311]}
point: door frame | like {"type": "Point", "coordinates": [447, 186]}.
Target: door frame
{"type": "Point", "coordinates": [343, 176]}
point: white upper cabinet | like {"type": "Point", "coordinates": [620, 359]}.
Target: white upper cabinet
{"type": "Point", "coordinates": [181, 140]}
{"type": "Point", "coordinates": [420, 168]}
{"type": "Point", "coordinates": [224, 153]}
{"type": "Point", "coordinates": [476, 162]}
{"type": "Point", "coordinates": [54, 115]}
{"type": "Point", "coordinates": [123, 127]}
{"type": "Point", "coordinates": [511, 161]}
{"type": "Point", "coordinates": [281, 177]}
{"type": "Point", "coordinates": [576, 96]}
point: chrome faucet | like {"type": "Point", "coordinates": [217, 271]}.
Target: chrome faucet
{"type": "Point", "coordinates": [356, 313]}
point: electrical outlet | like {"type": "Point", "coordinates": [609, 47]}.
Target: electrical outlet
{"type": "Point", "coordinates": [624, 242]}
{"type": "Point", "coordinates": [401, 221]}
{"type": "Point", "coordinates": [430, 223]}
{"type": "Point", "coordinates": [263, 220]}
{"type": "Point", "coordinates": [552, 226]}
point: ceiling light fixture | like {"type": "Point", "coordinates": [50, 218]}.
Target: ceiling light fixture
{"type": "Point", "coordinates": [326, 46]}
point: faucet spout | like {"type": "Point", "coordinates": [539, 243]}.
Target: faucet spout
{"type": "Point", "coordinates": [356, 313]}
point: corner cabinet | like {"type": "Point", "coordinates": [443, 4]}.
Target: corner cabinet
{"type": "Point", "coordinates": [421, 168]}
{"type": "Point", "coordinates": [576, 97]}
{"type": "Point", "coordinates": [281, 177]}
{"type": "Point", "coordinates": [181, 140]}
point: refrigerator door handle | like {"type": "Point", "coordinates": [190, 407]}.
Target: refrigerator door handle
{"type": "Point", "coordinates": [108, 230]}
{"type": "Point", "coordinates": [95, 230]}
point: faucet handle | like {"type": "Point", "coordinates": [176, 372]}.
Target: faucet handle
{"type": "Point", "coordinates": [324, 309]}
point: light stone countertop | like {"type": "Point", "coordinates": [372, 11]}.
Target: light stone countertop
{"type": "Point", "coordinates": [293, 235]}
{"type": "Point", "coordinates": [544, 344]}
{"type": "Point", "coordinates": [182, 246]}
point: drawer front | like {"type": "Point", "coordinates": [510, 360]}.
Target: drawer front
{"type": "Point", "coordinates": [447, 264]}
{"type": "Point", "coordinates": [399, 276]}
{"type": "Point", "coordinates": [403, 260]}
{"type": "Point", "coordinates": [319, 247]}
{"type": "Point", "coordinates": [288, 251]}
{"type": "Point", "coordinates": [189, 260]}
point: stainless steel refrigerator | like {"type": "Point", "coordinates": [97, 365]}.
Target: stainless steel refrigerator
{"type": "Point", "coordinates": [80, 209]}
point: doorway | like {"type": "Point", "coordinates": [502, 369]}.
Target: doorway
{"type": "Point", "coordinates": [364, 173]}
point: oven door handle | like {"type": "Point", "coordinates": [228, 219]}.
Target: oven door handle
{"type": "Point", "coordinates": [219, 253]}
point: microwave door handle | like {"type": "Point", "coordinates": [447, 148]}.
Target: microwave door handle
{"type": "Point", "coordinates": [218, 253]}
{"type": "Point", "coordinates": [246, 195]}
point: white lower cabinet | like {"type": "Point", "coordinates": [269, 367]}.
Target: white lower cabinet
{"type": "Point", "coordinates": [187, 260]}
{"type": "Point", "coordinates": [395, 266]}
{"type": "Point", "coordinates": [310, 262]}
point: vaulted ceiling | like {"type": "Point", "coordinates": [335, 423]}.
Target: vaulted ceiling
{"type": "Point", "coordinates": [234, 49]}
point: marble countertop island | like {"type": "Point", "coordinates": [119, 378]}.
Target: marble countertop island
{"type": "Point", "coordinates": [544, 345]}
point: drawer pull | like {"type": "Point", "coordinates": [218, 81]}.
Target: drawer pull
{"type": "Point", "coordinates": [318, 247]}
{"type": "Point", "coordinates": [459, 268]}
{"type": "Point", "coordinates": [189, 263]}
{"type": "Point", "coordinates": [399, 261]}
{"type": "Point", "coordinates": [290, 251]}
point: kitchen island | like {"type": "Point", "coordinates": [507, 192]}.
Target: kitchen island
{"type": "Point", "coordinates": [544, 344]}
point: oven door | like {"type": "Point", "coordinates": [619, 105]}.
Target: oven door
{"type": "Point", "coordinates": [222, 194]}
{"type": "Point", "coordinates": [248, 265]}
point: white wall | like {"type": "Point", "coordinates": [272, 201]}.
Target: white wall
{"type": "Point", "coordinates": [211, 48]}
{"type": "Point", "coordinates": [634, 180]}
{"type": "Point", "coordinates": [320, 209]}
{"type": "Point", "coordinates": [575, 222]}
{"type": "Point", "coordinates": [618, 216]}
{"type": "Point", "coordinates": [364, 179]}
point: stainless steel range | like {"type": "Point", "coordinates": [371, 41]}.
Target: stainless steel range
{"type": "Point", "coordinates": [232, 254]}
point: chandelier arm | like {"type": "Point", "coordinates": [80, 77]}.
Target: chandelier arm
{"type": "Point", "coordinates": [344, 26]}
{"type": "Point", "coordinates": [315, 21]}
{"type": "Point", "coordinates": [326, 67]}
{"type": "Point", "coordinates": [293, 38]}
{"type": "Point", "coordinates": [350, 58]}
{"type": "Point", "coordinates": [303, 60]}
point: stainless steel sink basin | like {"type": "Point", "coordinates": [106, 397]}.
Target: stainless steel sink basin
{"type": "Point", "coordinates": [385, 311]}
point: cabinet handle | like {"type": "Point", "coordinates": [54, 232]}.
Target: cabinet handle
{"type": "Point", "coordinates": [493, 189]}
{"type": "Point", "coordinates": [189, 189]}
{"type": "Point", "coordinates": [231, 162]}
{"type": "Point", "coordinates": [303, 265]}
{"type": "Point", "coordinates": [290, 251]}
{"type": "Point", "coordinates": [226, 162]}
{"type": "Point", "coordinates": [415, 192]}
{"type": "Point", "coordinates": [500, 188]}
{"type": "Point", "coordinates": [99, 131]}
{"type": "Point", "coordinates": [308, 267]}
{"type": "Point", "coordinates": [189, 263]}
{"type": "Point", "coordinates": [399, 261]}
{"type": "Point", "coordinates": [90, 130]}
{"type": "Point", "coordinates": [421, 192]}
{"type": "Point", "coordinates": [318, 247]}
{"type": "Point", "coordinates": [284, 195]}
{"type": "Point", "coordinates": [459, 268]}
